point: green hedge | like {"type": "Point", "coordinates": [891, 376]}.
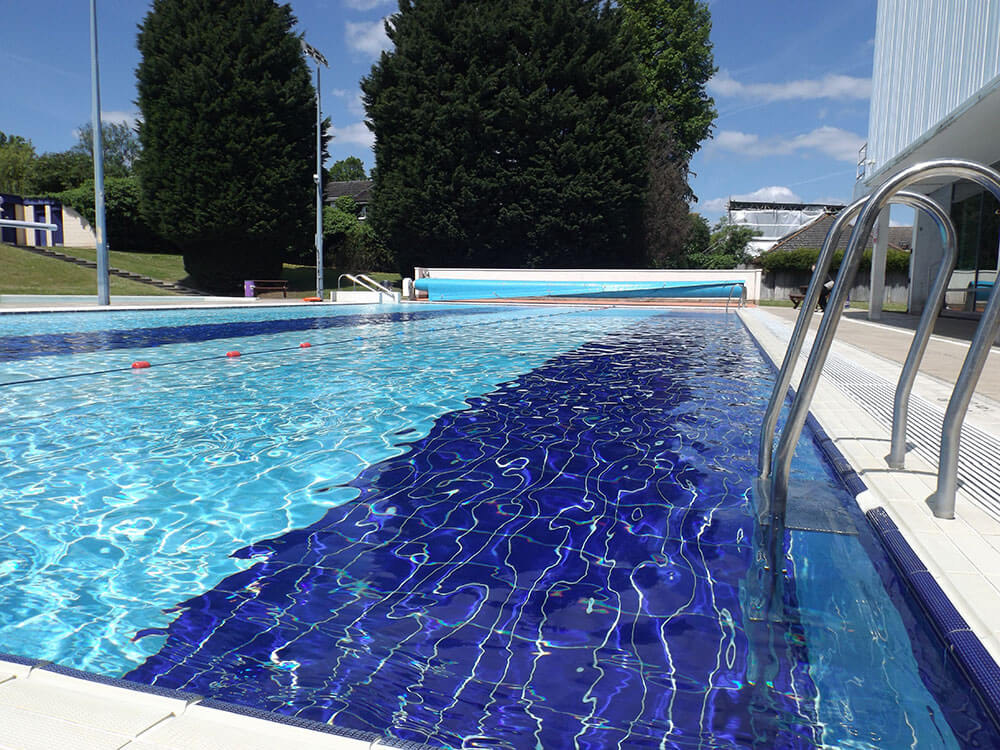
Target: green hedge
{"type": "Point", "coordinates": [127, 228]}
{"type": "Point", "coordinates": [804, 258]}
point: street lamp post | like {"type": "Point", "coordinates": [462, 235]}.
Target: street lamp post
{"type": "Point", "coordinates": [318, 57]}
{"type": "Point", "coordinates": [103, 291]}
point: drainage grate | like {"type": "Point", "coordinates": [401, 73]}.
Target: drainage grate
{"type": "Point", "coordinates": [979, 458]}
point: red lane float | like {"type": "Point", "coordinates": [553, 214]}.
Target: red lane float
{"type": "Point", "coordinates": [140, 365]}
{"type": "Point", "coordinates": [304, 345]}
{"type": "Point", "coordinates": [232, 354]}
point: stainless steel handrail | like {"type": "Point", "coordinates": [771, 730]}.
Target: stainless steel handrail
{"type": "Point", "coordinates": [942, 502]}
{"type": "Point", "coordinates": [365, 281]}
{"type": "Point", "coordinates": [901, 402]}
{"type": "Point", "coordinates": [917, 348]}
{"type": "Point", "coordinates": [741, 302]}
{"type": "Point", "coordinates": [809, 302]}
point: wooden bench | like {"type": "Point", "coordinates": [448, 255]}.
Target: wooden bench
{"type": "Point", "coordinates": [252, 287]}
{"type": "Point", "coordinates": [796, 300]}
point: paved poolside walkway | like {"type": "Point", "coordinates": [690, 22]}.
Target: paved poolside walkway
{"type": "Point", "coordinates": [853, 403]}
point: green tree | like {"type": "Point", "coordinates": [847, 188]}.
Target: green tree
{"type": "Point", "coordinates": [674, 55]}
{"type": "Point", "coordinates": [127, 228]}
{"type": "Point", "coordinates": [351, 168]}
{"type": "Point", "coordinates": [16, 156]}
{"type": "Point", "coordinates": [227, 134]}
{"type": "Point", "coordinates": [121, 147]}
{"type": "Point", "coordinates": [59, 171]}
{"type": "Point", "coordinates": [729, 247]}
{"type": "Point", "coordinates": [665, 218]}
{"type": "Point", "coordinates": [698, 237]}
{"type": "Point", "coordinates": [508, 133]}
{"type": "Point", "coordinates": [351, 245]}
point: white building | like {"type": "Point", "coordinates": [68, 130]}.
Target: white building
{"type": "Point", "coordinates": [936, 94]}
{"type": "Point", "coordinates": [772, 221]}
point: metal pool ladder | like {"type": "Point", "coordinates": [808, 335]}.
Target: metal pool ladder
{"type": "Point", "coordinates": [773, 475]}
{"type": "Point", "coordinates": [366, 281]}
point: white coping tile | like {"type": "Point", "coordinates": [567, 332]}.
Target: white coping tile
{"type": "Point", "coordinates": [26, 730]}
{"type": "Point", "coordinates": [202, 728]}
{"type": "Point", "coordinates": [85, 703]}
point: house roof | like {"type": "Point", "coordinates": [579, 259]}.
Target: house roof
{"type": "Point", "coordinates": [360, 190]}
{"type": "Point", "coordinates": [814, 233]}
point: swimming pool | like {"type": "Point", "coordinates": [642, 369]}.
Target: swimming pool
{"type": "Point", "coordinates": [469, 526]}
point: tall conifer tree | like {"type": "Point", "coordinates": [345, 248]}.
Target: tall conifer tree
{"type": "Point", "coordinates": [508, 133]}
{"type": "Point", "coordinates": [227, 133]}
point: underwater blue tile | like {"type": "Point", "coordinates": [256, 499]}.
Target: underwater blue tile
{"type": "Point", "coordinates": [942, 612]}
{"type": "Point", "coordinates": [980, 666]}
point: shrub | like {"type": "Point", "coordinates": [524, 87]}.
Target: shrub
{"type": "Point", "coordinates": [127, 229]}
{"type": "Point", "coordinates": [804, 258]}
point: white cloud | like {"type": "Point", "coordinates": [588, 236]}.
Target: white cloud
{"type": "Point", "coordinates": [128, 118]}
{"type": "Point", "coordinates": [356, 133]}
{"type": "Point", "coordinates": [835, 143]}
{"type": "Point", "coordinates": [827, 87]}
{"type": "Point", "coordinates": [366, 4]}
{"type": "Point", "coordinates": [770, 194]}
{"type": "Point", "coordinates": [355, 103]}
{"type": "Point", "coordinates": [368, 38]}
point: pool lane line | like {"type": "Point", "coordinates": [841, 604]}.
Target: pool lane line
{"type": "Point", "coordinates": [296, 347]}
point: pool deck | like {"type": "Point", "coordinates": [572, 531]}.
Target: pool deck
{"type": "Point", "coordinates": [853, 403]}
{"type": "Point", "coordinates": [43, 707]}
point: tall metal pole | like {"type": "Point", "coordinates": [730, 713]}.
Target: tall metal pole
{"type": "Point", "coordinates": [103, 292]}
{"type": "Point", "coordinates": [318, 57]}
{"type": "Point", "coordinates": [319, 189]}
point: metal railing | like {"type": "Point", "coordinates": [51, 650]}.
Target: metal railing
{"type": "Point", "coordinates": [742, 300]}
{"type": "Point", "coordinates": [942, 502]}
{"type": "Point", "coordinates": [363, 280]}
{"type": "Point", "coordinates": [28, 224]}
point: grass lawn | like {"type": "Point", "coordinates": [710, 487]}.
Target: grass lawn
{"type": "Point", "coordinates": [27, 273]}
{"type": "Point", "coordinates": [855, 305]}
{"type": "Point", "coordinates": [159, 266]}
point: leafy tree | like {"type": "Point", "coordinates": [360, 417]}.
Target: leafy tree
{"type": "Point", "coordinates": [351, 245]}
{"type": "Point", "coordinates": [508, 133]}
{"type": "Point", "coordinates": [674, 55]}
{"type": "Point", "coordinates": [730, 247]}
{"type": "Point", "coordinates": [698, 237]}
{"type": "Point", "coordinates": [228, 139]}
{"type": "Point", "coordinates": [121, 147]}
{"type": "Point", "coordinates": [351, 168]}
{"type": "Point", "coordinates": [665, 219]}
{"type": "Point", "coordinates": [16, 155]}
{"type": "Point", "coordinates": [13, 140]}
{"type": "Point", "coordinates": [59, 171]}
{"type": "Point", "coordinates": [127, 228]}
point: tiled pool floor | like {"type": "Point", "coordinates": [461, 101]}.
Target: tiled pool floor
{"type": "Point", "coordinates": [44, 709]}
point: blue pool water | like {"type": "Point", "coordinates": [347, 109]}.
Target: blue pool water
{"type": "Point", "coordinates": [466, 526]}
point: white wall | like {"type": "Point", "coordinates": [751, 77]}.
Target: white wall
{"type": "Point", "coordinates": [934, 60]}
{"type": "Point", "coordinates": [76, 231]}
{"type": "Point", "coordinates": [750, 277]}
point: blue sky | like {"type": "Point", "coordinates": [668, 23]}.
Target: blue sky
{"type": "Point", "coordinates": [792, 88]}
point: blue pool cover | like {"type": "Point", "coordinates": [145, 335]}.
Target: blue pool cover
{"type": "Point", "coordinates": [439, 290]}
